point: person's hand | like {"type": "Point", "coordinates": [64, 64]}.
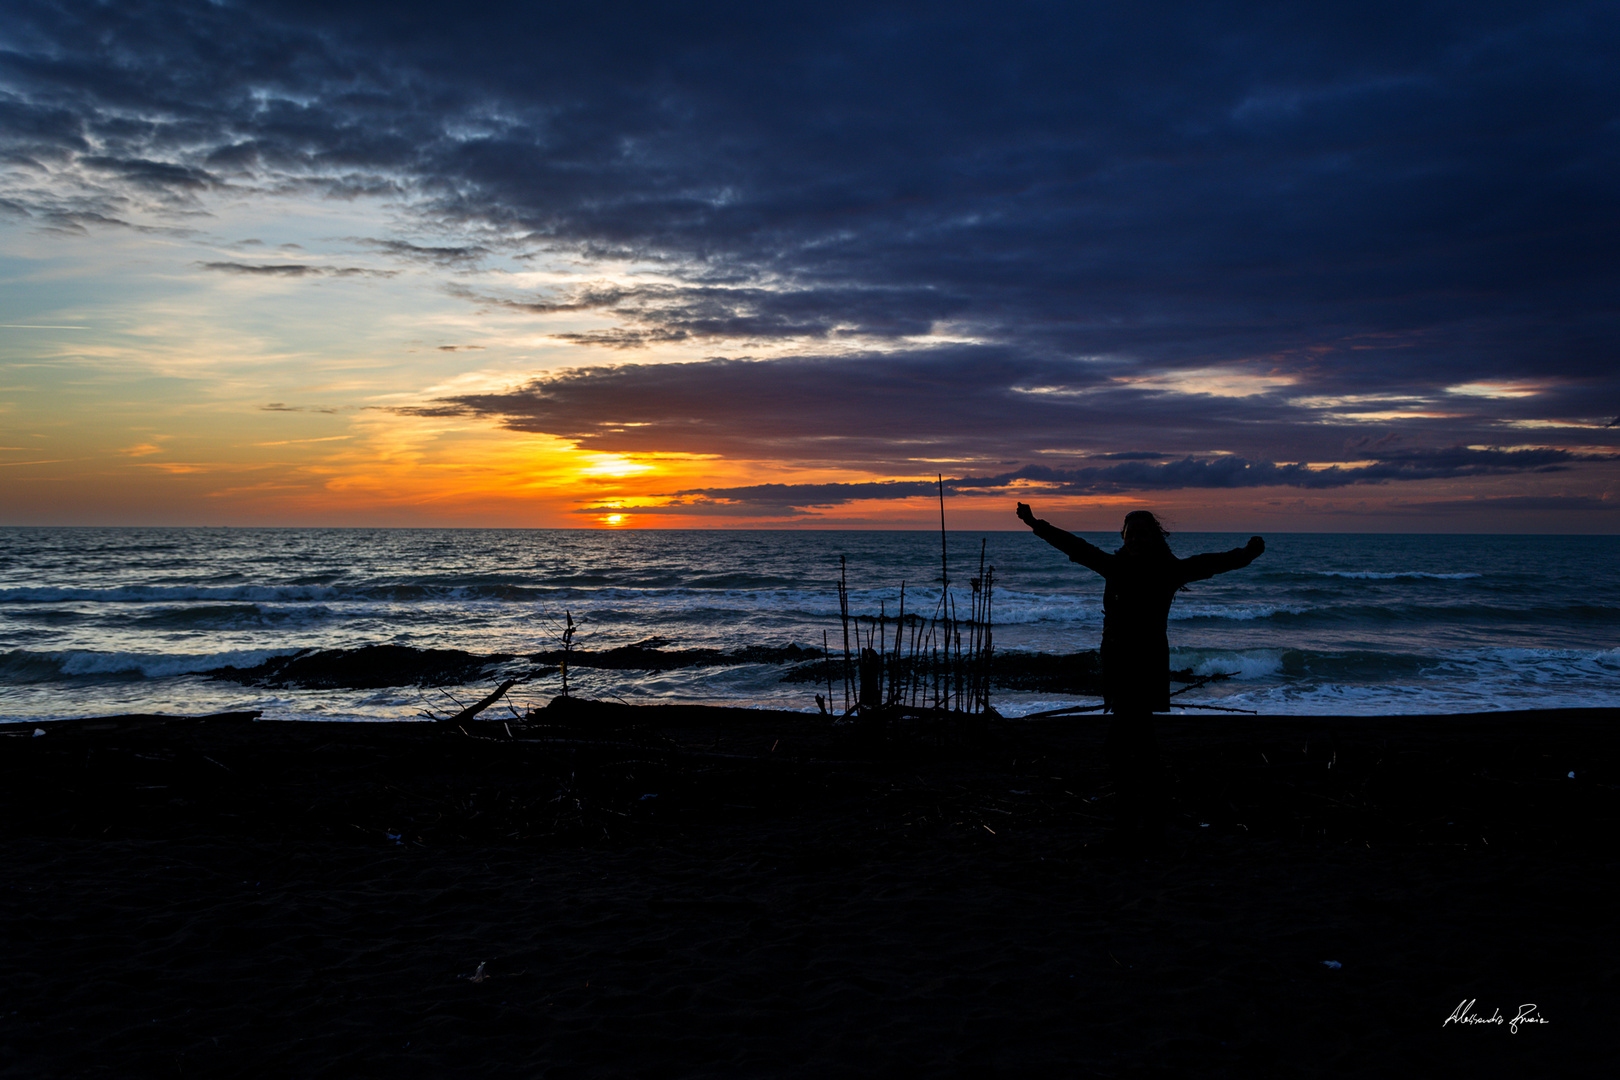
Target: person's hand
{"type": "Point", "coordinates": [1025, 515]}
{"type": "Point", "coordinates": [1255, 547]}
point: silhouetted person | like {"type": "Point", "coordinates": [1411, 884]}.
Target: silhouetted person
{"type": "Point", "coordinates": [1142, 578]}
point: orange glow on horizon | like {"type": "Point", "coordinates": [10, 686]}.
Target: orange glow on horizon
{"type": "Point", "coordinates": [253, 467]}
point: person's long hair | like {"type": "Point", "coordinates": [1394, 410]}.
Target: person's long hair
{"type": "Point", "coordinates": [1156, 544]}
{"type": "Point", "coordinates": [1158, 540]}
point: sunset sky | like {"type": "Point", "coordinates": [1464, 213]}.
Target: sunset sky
{"type": "Point", "coordinates": [1262, 267]}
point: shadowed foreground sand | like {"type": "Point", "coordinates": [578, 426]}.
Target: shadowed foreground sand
{"type": "Point", "coordinates": [678, 891]}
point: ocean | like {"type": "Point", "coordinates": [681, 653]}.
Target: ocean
{"type": "Point", "coordinates": [97, 621]}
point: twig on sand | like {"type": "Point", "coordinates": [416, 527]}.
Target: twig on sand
{"type": "Point", "coordinates": [1067, 711]}
{"type": "Point", "coordinates": [478, 706]}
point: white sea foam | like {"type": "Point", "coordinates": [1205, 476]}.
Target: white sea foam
{"type": "Point", "coordinates": [1183, 612]}
{"type": "Point", "coordinates": [1393, 575]}
{"type": "Point", "coordinates": [1247, 664]}
{"type": "Point", "coordinates": [1512, 655]}
{"type": "Point", "coordinates": [148, 594]}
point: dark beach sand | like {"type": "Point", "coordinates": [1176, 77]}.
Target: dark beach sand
{"type": "Point", "coordinates": [675, 891]}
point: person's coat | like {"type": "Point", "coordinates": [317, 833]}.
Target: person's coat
{"type": "Point", "coordinates": [1136, 610]}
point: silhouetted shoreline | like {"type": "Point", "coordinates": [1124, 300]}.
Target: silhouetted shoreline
{"type": "Point", "coordinates": [688, 891]}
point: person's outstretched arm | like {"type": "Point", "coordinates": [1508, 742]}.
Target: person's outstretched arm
{"type": "Point", "coordinates": [1088, 555]}
{"type": "Point", "coordinates": [1199, 567]}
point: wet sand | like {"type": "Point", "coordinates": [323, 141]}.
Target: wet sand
{"type": "Point", "coordinates": [680, 891]}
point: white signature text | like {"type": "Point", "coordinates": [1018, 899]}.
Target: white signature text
{"type": "Point", "coordinates": [1466, 1014]}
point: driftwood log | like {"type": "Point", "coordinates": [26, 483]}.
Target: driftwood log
{"type": "Point", "coordinates": [478, 706]}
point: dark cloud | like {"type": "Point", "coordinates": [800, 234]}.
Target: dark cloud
{"type": "Point", "coordinates": [887, 411]}
{"type": "Point", "coordinates": [703, 508]}
{"type": "Point", "coordinates": [1223, 472]}
{"type": "Point", "coordinates": [1512, 505]}
{"type": "Point", "coordinates": [1234, 472]}
{"type": "Point", "coordinates": [956, 403]}
{"type": "Point", "coordinates": [708, 312]}
{"type": "Point", "coordinates": [81, 222]}
{"type": "Point", "coordinates": [439, 256]}
{"type": "Point", "coordinates": [359, 271]}
{"type": "Point", "coordinates": [155, 175]}
{"type": "Point", "coordinates": [263, 270]}
{"type": "Point", "coordinates": [620, 337]}
{"type": "Point", "coordinates": [294, 270]}
{"type": "Point", "coordinates": [800, 498]}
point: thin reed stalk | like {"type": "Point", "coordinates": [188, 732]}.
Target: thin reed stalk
{"type": "Point", "coordinates": [843, 613]}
